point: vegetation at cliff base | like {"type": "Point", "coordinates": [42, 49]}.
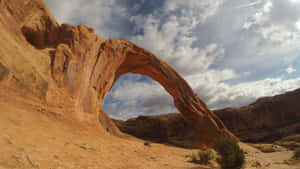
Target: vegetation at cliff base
{"type": "Point", "coordinates": [231, 155]}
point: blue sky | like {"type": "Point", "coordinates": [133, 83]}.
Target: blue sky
{"type": "Point", "coordinates": [230, 51]}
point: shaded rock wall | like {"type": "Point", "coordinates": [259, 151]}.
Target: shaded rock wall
{"type": "Point", "coordinates": [266, 120]}
{"type": "Point", "coordinates": [170, 129]}
{"type": "Point", "coordinates": [71, 68]}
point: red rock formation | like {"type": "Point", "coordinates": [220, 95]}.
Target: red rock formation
{"type": "Point", "coordinates": [168, 128]}
{"type": "Point", "coordinates": [82, 68]}
{"type": "Point", "coordinates": [266, 120]}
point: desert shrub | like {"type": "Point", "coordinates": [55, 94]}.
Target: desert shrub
{"type": "Point", "coordinates": [297, 153]}
{"type": "Point", "coordinates": [147, 143]}
{"type": "Point", "coordinates": [202, 157]}
{"type": "Point", "coordinates": [194, 158]}
{"type": "Point", "coordinates": [231, 155]}
{"type": "Point", "coordinates": [205, 156]}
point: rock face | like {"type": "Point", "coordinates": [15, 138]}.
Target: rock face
{"type": "Point", "coordinates": [268, 119]}
{"type": "Point", "coordinates": [71, 69]}
{"type": "Point", "coordinates": [168, 129]}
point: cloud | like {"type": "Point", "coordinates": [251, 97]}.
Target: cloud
{"type": "Point", "coordinates": [228, 54]}
{"type": "Point", "coordinates": [290, 70]}
{"type": "Point", "coordinates": [250, 4]}
{"type": "Point", "coordinates": [298, 25]}
{"type": "Point", "coordinates": [107, 17]}
{"type": "Point", "coordinates": [224, 95]}
{"type": "Point", "coordinates": [169, 35]}
{"type": "Point", "coordinates": [135, 94]}
{"type": "Point", "coordinates": [294, 1]}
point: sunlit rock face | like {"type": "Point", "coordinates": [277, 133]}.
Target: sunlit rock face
{"type": "Point", "coordinates": [70, 70]}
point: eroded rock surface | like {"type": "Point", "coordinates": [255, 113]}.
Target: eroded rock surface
{"type": "Point", "coordinates": [71, 69]}
{"type": "Point", "coordinates": [266, 120]}
{"type": "Point", "coordinates": [168, 129]}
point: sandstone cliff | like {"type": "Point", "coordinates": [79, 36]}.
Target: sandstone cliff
{"type": "Point", "coordinates": [68, 70]}
{"type": "Point", "coordinates": [266, 120]}
{"type": "Point", "coordinates": [168, 129]}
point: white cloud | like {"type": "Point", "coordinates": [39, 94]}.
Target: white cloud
{"type": "Point", "coordinates": [244, 93]}
{"type": "Point", "coordinates": [298, 25]}
{"type": "Point", "coordinates": [290, 70]}
{"type": "Point", "coordinates": [61, 10]}
{"type": "Point", "coordinates": [259, 17]}
{"type": "Point", "coordinates": [250, 4]}
{"type": "Point", "coordinates": [104, 16]}
{"type": "Point", "coordinates": [295, 1]}
{"type": "Point", "coordinates": [276, 33]}
{"type": "Point", "coordinates": [169, 35]}
{"type": "Point", "coordinates": [273, 21]}
{"type": "Point", "coordinates": [194, 8]}
{"type": "Point", "coordinates": [268, 6]}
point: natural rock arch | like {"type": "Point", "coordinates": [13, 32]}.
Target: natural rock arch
{"type": "Point", "coordinates": [84, 67]}
{"type": "Point", "coordinates": [133, 59]}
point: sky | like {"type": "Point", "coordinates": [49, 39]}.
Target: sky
{"type": "Point", "coordinates": [231, 52]}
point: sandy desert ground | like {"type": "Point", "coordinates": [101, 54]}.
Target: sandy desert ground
{"type": "Point", "coordinates": [32, 138]}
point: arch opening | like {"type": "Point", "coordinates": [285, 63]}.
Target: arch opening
{"type": "Point", "coordinates": [134, 95]}
{"type": "Point", "coordinates": [140, 107]}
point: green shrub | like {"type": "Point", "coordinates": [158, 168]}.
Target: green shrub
{"type": "Point", "coordinates": [205, 156]}
{"type": "Point", "coordinates": [297, 153]}
{"type": "Point", "coordinates": [232, 157]}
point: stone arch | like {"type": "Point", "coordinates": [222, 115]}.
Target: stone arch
{"type": "Point", "coordinates": [133, 59]}
{"type": "Point", "coordinates": [87, 67]}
